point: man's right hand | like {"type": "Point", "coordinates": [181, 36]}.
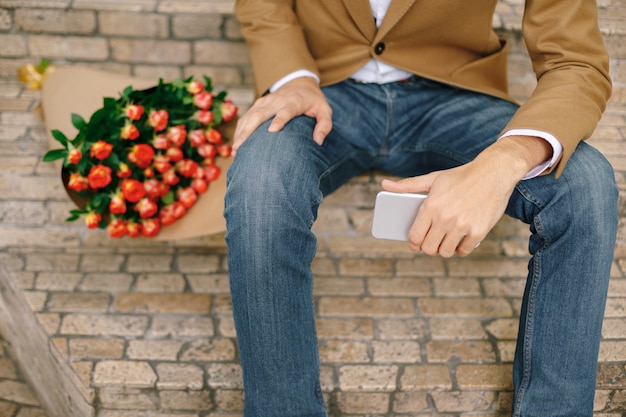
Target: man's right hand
{"type": "Point", "coordinates": [301, 96]}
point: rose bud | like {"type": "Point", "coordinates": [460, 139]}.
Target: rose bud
{"type": "Point", "coordinates": [203, 100]}
{"type": "Point", "coordinates": [117, 204]}
{"type": "Point", "coordinates": [74, 156]}
{"type": "Point", "coordinates": [141, 155]}
{"type": "Point", "coordinates": [77, 182]}
{"type": "Point", "coordinates": [146, 208]}
{"type": "Point", "coordinates": [214, 136]}
{"type": "Point", "coordinates": [200, 185]}
{"type": "Point", "coordinates": [212, 172]}
{"type": "Point", "coordinates": [224, 150]}
{"type": "Point", "coordinates": [205, 116]}
{"type": "Point", "coordinates": [179, 209]}
{"type": "Point", "coordinates": [133, 190]}
{"type": "Point", "coordinates": [93, 219]}
{"type": "Point", "coordinates": [228, 110]}
{"type": "Point", "coordinates": [207, 150]}
{"type": "Point", "coordinates": [153, 188]}
{"type": "Point", "coordinates": [199, 172]}
{"type": "Point", "coordinates": [158, 119]}
{"type": "Point", "coordinates": [164, 189]}
{"type": "Point", "coordinates": [187, 196]}
{"type": "Point", "coordinates": [187, 167]}
{"type": "Point", "coordinates": [148, 172]}
{"type": "Point", "coordinates": [117, 228]}
{"type": "Point", "coordinates": [161, 142]}
{"type": "Point", "coordinates": [134, 111]}
{"type": "Point", "coordinates": [170, 177]}
{"type": "Point", "coordinates": [162, 163]}
{"type": "Point", "coordinates": [195, 87]}
{"type": "Point", "coordinates": [124, 171]}
{"type": "Point", "coordinates": [99, 176]}
{"type": "Point", "coordinates": [177, 135]}
{"type": "Point", "coordinates": [150, 227]}
{"type": "Point", "coordinates": [175, 154]}
{"type": "Point", "coordinates": [101, 150]}
{"type": "Point", "coordinates": [197, 137]}
{"type": "Point", "coordinates": [129, 132]}
{"type": "Point", "coordinates": [133, 229]}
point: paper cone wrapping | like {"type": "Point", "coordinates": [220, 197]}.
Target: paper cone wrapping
{"type": "Point", "coordinates": [79, 90]}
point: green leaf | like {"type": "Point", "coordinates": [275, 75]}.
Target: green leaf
{"type": "Point", "coordinates": [54, 154]}
{"type": "Point", "coordinates": [59, 137]}
{"type": "Point", "coordinates": [78, 122]}
{"type": "Point", "coordinates": [74, 215]}
{"type": "Point", "coordinates": [168, 198]}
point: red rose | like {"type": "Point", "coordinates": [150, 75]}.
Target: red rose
{"type": "Point", "coordinates": [214, 136]}
{"type": "Point", "coordinates": [117, 228]}
{"type": "Point", "coordinates": [205, 117]}
{"type": "Point", "coordinates": [146, 208]}
{"type": "Point", "coordinates": [197, 137]}
{"type": "Point", "coordinates": [228, 110]}
{"type": "Point", "coordinates": [212, 172]}
{"type": "Point", "coordinates": [161, 142]}
{"type": "Point", "coordinates": [77, 182]}
{"type": "Point", "coordinates": [129, 132]}
{"type": "Point", "coordinates": [224, 150]}
{"type": "Point", "coordinates": [153, 188]}
{"type": "Point", "coordinates": [117, 204]}
{"type": "Point", "coordinates": [134, 111]}
{"type": "Point", "coordinates": [133, 190]}
{"type": "Point", "coordinates": [166, 215]}
{"type": "Point", "coordinates": [101, 150]}
{"type": "Point", "coordinates": [203, 100]}
{"type": "Point", "coordinates": [187, 167]}
{"type": "Point", "coordinates": [150, 227]}
{"type": "Point", "coordinates": [207, 150]}
{"type": "Point", "coordinates": [141, 155]}
{"type": "Point", "coordinates": [175, 154]}
{"type": "Point", "coordinates": [74, 156]}
{"type": "Point", "coordinates": [133, 229]}
{"type": "Point", "coordinates": [195, 87]}
{"type": "Point", "coordinates": [158, 119]}
{"type": "Point", "coordinates": [162, 163]}
{"type": "Point", "coordinates": [92, 220]}
{"type": "Point", "coordinates": [170, 177]}
{"type": "Point", "coordinates": [187, 196]}
{"type": "Point", "coordinates": [124, 171]}
{"type": "Point", "coordinates": [200, 185]}
{"type": "Point", "coordinates": [177, 135]}
{"type": "Point", "coordinates": [99, 176]}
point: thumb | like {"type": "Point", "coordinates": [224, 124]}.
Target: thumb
{"type": "Point", "coordinates": [419, 184]}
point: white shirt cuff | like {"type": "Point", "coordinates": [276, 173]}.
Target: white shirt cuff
{"type": "Point", "coordinates": [292, 76]}
{"type": "Point", "coordinates": [557, 149]}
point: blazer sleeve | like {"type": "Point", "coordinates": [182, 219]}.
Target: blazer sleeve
{"type": "Point", "coordinates": [572, 68]}
{"type": "Point", "coordinates": [275, 40]}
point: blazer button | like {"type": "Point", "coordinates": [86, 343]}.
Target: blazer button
{"type": "Point", "coordinates": [379, 48]}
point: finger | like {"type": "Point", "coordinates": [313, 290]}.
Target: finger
{"type": "Point", "coordinates": [467, 246]}
{"type": "Point", "coordinates": [417, 184]}
{"type": "Point", "coordinates": [323, 127]}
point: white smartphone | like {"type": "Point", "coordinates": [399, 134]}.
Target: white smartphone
{"type": "Point", "coordinates": [394, 214]}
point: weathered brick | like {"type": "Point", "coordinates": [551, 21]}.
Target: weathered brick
{"type": "Point", "coordinates": [196, 26]}
{"type": "Point", "coordinates": [104, 325]}
{"type": "Point", "coordinates": [148, 263]}
{"type": "Point", "coordinates": [213, 350]}
{"type": "Point", "coordinates": [124, 374]}
{"type": "Point", "coordinates": [155, 283]}
{"type": "Point", "coordinates": [466, 351]}
{"type": "Point", "coordinates": [186, 400]}
{"type": "Point", "coordinates": [178, 376]}
{"type": "Point", "coordinates": [106, 282]}
{"type": "Point", "coordinates": [181, 326]}
{"type": "Point", "coordinates": [456, 329]}
{"type": "Point", "coordinates": [401, 329]}
{"type": "Point", "coordinates": [67, 22]}
{"type": "Point", "coordinates": [343, 351]}
{"type": "Point", "coordinates": [396, 352]}
{"type": "Point", "coordinates": [348, 328]}
{"type": "Point", "coordinates": [485, 377]}
{"type": "Point", "coordinates": [152, 350]}
{"type": "Point", "coordinates": [96, 348]}
{"type": "Point", "coordinates": [79, 302]}
{"type": "Point", "coordinates": [162, 303]}
{"type": "Point", "coordinates": [126, 5]}
{"type": "Point", "coordinates": [465, 307]}
{"type": "Point", "coordinates": [366, 307]}
{"type": "Point", "coordinates": [150, 51]}
{"type": "Point", "coordinates": [13, 46]}
{"type": "Point", "coordinates": [458, 401]}
{"type": "Point", "coordinates": [196, 6]}
{"type": "Point", "coordinates": [363, 402]}
{"type": "Point", "coordinates": [68, 47]}
{"type": "Point", "coordinates": [421, 377]}
{"type": "Point", "coordinates": [133, 24]}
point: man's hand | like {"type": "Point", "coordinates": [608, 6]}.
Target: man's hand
{"type": "Point", "coordinates": [301, 96]}
{"type": "Point", "coordinates": [466, 202]}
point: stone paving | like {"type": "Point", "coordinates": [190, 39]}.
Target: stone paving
{"type": "Point", "coordinates": [144, 328]}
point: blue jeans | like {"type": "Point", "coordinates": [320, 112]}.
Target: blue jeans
{"type": "Point", "coordinates": [278, 180]}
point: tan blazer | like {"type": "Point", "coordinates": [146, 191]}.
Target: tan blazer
{"type": "Point", "coordinates": [446, 40]}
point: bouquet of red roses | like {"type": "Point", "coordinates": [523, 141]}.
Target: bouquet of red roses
{"type": "Point", "coordinates": [142, 160]}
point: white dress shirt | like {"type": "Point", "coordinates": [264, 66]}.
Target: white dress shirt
{"type": "Point", "coordinates": [375, 71]}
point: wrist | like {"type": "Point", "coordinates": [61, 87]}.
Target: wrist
{"type": "Point", "coordinates": [517, 155]}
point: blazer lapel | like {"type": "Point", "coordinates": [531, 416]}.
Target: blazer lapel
{"type": "Point", "coordinates": [361, 13]}
{"type": "Point", "coordinates": [396, 10]}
